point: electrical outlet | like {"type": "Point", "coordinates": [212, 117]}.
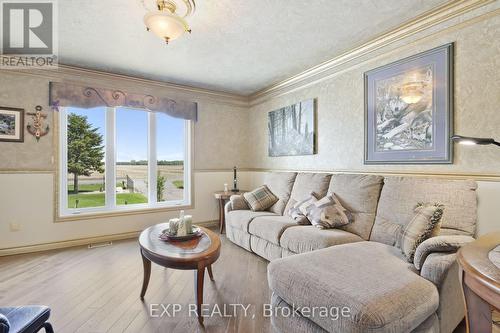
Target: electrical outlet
{"type": "Point", "coordinates": [15, 227]}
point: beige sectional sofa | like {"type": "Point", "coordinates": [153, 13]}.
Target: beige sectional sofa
{"type": "Point", "coordinates": [359, 267]}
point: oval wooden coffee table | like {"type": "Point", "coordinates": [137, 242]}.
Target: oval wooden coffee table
{"type": "Point", "coordinates": [196, 254]}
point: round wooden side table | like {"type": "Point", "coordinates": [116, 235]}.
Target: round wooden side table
{"type": "Point", "coordinates": [480, 264]}
{"type": "Point", "coordinates": [196, 254]}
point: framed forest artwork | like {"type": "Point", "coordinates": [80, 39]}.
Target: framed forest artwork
{"type": "Point", "coordinates": [409, 109]}
{"type": "Point", "coordinates": [292, 129]}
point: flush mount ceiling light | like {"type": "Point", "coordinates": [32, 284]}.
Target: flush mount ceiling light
{"type": "Point", "coordinates": [165, 20]}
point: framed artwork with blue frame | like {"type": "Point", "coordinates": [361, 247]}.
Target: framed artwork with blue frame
{"type": "Point", "coordinates": [409, 110]}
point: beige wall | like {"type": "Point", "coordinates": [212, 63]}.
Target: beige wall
{"type": "Point", "coordinates": [27, 170]}
{"type": "Point", "coordinates": [340, 110]}
{"type": "Point", "coordinates": [211, 151]}
{"type": "Point", "coordinates": [340, 107]}
{"type": "Point", "coordinates": [27, 200]}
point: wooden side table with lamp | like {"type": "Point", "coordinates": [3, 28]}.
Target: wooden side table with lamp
{"type": "Point", "coordinates": [222, 197]}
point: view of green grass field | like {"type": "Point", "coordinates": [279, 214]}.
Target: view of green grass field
{"type": "Point", "coordinates": [97, 199]}
{"type": "Point", "coordinates": [91, 188]}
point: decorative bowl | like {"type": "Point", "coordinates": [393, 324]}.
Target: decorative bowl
{"type": "Point", "coordinates": [167, 236]}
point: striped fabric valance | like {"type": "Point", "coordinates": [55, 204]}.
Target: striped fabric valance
{"type": "Point", "coordinates": [68, 95]}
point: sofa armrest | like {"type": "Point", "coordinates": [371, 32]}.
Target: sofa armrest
{"type": "Point", "coordinates": [439, 244]}
{"type": "Point", "coordinates": [228, 207]}
{"type": "Point", "coordinates": [437, 265]}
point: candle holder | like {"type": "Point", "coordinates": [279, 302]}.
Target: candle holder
{"type": "Point", "coordinates": [235, 181]}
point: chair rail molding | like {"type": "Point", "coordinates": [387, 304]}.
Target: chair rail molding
{"type": "Point", "coordinates": [425, 174]}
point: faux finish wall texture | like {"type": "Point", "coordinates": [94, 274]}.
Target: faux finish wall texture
{"type": "Point", "coordinates": [340, 101]}
{"type": "Point", "coordinates": [26, 92]}
{"type": "Point", "coordinates": [216, 123]}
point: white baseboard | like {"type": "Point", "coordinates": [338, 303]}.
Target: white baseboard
{"type": "Point", "coordinates": [80, 242]}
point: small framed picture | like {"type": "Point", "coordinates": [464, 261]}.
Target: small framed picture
{"type": "Point", "coordinates": [11, 124]}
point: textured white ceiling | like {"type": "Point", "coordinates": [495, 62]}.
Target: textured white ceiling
{"type": "Point", "coordinates": [239, 46]}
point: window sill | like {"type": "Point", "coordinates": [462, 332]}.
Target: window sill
{"type": "Point", "coordinates": [118, 213]}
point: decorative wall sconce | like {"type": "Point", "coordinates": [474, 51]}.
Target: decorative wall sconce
{"type": "Point", "coordinates": [36, 127]}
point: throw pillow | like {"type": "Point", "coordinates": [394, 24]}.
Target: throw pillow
{"type": "Point", "coordinates": [238, 202]}
{"type": "Point", "coordinates": [260, 199]}
{"type": "Point", "coordinates": [305, 207]}
{"type": "Point", "coordinates": [296, 211]}
{"type": "Point", "coordinates": [329, 213]}
{"type": "Point", "coordinates": [427, 218]}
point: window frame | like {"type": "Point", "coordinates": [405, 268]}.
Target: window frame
{"type": "Point", "coordinates": [110, 207]}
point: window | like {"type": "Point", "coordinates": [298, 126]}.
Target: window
{"type": "Point", "coordinates": [115, 159]}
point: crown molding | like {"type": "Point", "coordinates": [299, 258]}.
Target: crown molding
{"type": "Point", "coordinates": [310, 76]}
{"type": "Point", "coordinates": [422, 22]}
{"type": "Point", "coordinates": [76, 74]}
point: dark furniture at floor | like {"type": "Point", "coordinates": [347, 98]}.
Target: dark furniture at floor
{"type": "Point", "coordinates": [25, 319]}
{"type": "Point", "coordinates": [197, 254]}
{"type": "Point", "coordinates": [480, 264]}
{"type": "Point", "coordinates": [222, 197]}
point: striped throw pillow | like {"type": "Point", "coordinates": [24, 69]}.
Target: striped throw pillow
{"type": "Point", "coordinates": [329, 213]}
{"type": "Point", "coordinates": [260, 199]}
{"type": "Point", "coordinates": [422, 226]}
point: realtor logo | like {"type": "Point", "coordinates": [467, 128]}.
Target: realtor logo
{"type": "Point", "coordinates": [28, 34]}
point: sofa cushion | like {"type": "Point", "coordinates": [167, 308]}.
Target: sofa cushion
{"type": "Point", "coordinates": [400, 194]}
{"type": "Point", "coordinates": [358, 194]}
{"type": "Point", "coordinates": [239, 237]}
{"type": "Point", "coordinates": [307, 183]}
{"type": "Point", "coordinates": [260, 199]}
{"type": "Point", "coordinates": [265, 249]}
{"type": "Point", "coordinates": [270, 228]}
{"type": "Point", "coordinates": [239, 219]}
{"type": "Point", "coordinates": [309, 238]}
{"type": "Point", "coordinates": [382, 291]}
{"type": "Point", "coordinates": [284, 323]}
{"type": "Point", "coordinates": [280, 183]}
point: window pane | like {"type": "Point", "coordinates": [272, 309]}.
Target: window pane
{"type": "Point", "coordinates": [131, 156]}
{"type": "Point", "coordinates": [170, 146]}
{"type": "Point", "coordinates": [85, 159]}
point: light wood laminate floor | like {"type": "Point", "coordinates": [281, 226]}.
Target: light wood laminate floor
{"type": "Point", "coordinates": [97, 290]}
